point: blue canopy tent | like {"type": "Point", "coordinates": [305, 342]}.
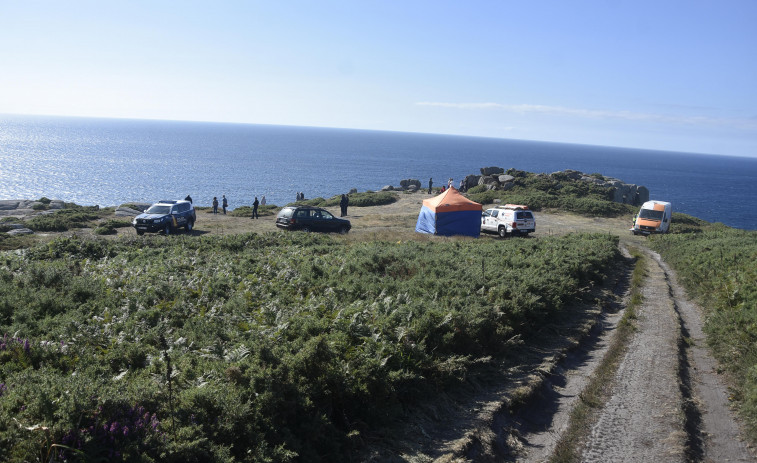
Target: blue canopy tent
{"type": "Point", "coordinates": [449, 214]}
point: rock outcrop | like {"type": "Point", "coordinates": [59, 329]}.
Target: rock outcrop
{"type": "Point", "coordinates": [495, 178]}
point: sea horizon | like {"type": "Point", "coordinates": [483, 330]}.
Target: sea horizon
{"type": "Point", "coordinates": [111, 161]}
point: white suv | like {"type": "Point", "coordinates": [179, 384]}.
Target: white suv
{"type": "Point", "coordinates": [510, 219]}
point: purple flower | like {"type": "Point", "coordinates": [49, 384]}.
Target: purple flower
{"type": "Point", "coordinates": [114, 427]}
{"type": "Point", "coordinates": [126, 430]}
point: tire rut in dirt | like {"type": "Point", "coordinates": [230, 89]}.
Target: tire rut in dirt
{"type": "Point", "coordinates": [642, 419]}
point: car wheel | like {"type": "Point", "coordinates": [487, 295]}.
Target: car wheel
{"type": "Point", "coordinates": [502, 232]}
{"type": "Point", "coordinates": [189, 226]}
{"type": "Point", "coordinates": [140, 232]}
{"type": "Point", "coordinates": [306, 228]}
{"type": "Point", "coordinates": [344, 230]}
{"type": "Point", "coordinates": [167, 230]}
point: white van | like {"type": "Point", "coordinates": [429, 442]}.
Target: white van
{"type": "Point", "coordinates": [653, 217]}
{"type": "Point", "coordinates": [510, 219]}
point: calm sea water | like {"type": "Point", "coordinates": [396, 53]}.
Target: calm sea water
{"type": "Point", "coordinates": [110, 162]}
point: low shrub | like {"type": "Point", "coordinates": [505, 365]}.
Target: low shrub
{"type": "Point", "coordinates": [246, 211]}
{"type": "Point", "coordinates": [259, 347]}
{"type": "Point", "coordinates": [64, 219]}
{"type": "Point", "coordinates": [365, 199]}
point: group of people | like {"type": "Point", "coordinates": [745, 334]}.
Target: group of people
{"type": "Point", "coordinates": [343, 203]}
{"type": "Point", "coordinates": [443, 189]}
{"type": "Point", "coordinates": [225, 204]}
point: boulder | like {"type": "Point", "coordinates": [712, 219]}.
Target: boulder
{"type": "Point", "coordinates": [568, 173]}
{"type": "Point", "coordinates": [13, 204]}
{"type": "Point", "coordinates": [352, 191]}
{"type": "Point", "coordinates": [505, 178]}
{"type": "Point", "coordinates": [469, 181]}
{"type": "Point", "coordinates": [20, 231]}
{"type": "Point", "coordinates": [492, 170]}
{"type": "Point", "coordinates": [488, 181]}
{"type": "Point", "coordinates": [410, 181]}
{"type": "Point", "coordinates": [387, 188]}
{"type": "Point", "coordinates": [124, 211]}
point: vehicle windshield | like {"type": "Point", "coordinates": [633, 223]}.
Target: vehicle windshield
{"type": "Point", "coordinates": [158, 209]}
{"type": "Point", "coordinates": [650, 214]}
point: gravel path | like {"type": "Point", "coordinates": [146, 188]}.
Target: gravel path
{"type": "Point", "coordinates": [643, 419]}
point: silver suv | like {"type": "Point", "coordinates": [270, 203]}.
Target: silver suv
{"type": "Point", "coordinates": [510, 219]}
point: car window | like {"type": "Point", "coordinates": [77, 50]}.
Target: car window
{"type": "Point", "coordinates": [495, 213]}
{"type": "Point", "coordinates": [528, 215]}
{"type": "Point", "coordinates": [158, 209]}
{"type": "Point", "coordinates": [301, 214]}
{"type": "Point", "coordinates": [326, 215]}
{"type": "Point", "coordinates": [487, 213]}
{"type": "Point", "coordinates": [315, 214]}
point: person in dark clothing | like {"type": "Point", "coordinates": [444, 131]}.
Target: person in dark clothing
{"type": "Point", "coordinates": [255, 205]}
{"type": "Point", "coordinates": [343, 205]}
{"type": "Point", "coordinates": [225, 204]}
{"type": "Point", "coordinates": [430, 183]}
{"type": "Point", "coordinates": [215, 205]}
{"type": "Point", "coordinates": [188, 198]}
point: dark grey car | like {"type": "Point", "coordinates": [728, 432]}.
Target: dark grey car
{"type": "Point", "coordinates": [310, 218]}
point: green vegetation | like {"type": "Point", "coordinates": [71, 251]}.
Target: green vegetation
{"type": "Point", "coordinates": [541, 191]}
{"type": "Point", "coordinates": [72, 216]}
{"type": "Point", "coordinates": [365, 199]}
{"type": "Point", "coordinates": [109, 226]}
{"type": "Point", "coordinates": [718, 265]}
{"type": "Point", "coordinates": [246, 211]}
{"type": "Point", "coordinates": [272, 347]}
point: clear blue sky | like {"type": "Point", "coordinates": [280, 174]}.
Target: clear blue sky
{"type": "Point", "coordinates": [663, 74]}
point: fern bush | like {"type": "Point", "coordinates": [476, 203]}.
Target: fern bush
{"type": "Point", "coordinates": [258, 347]}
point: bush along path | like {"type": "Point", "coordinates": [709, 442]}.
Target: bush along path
{"type": "Point", "coordinates": [660, 398]}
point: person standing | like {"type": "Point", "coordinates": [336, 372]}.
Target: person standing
{"type": "Point", "coordinates": [225, 204]}
{"type": "Point", "coordinates": [255, 205]}
{"type": "Point", "coordinates": [343, 205]}
{"type": "Point", "coordinates": [262, 201]}
{"type": "Point", "coordinates": [430, 183]}
{"type": "Point", "coordinates": [215, 205]}
{"type": "Point", "coordinates": [449, 183]}
{"type": "Point", "coordinates": [188, 198]}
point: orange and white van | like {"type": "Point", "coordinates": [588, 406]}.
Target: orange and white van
{"type": "Point", "coordinates": [653, 217]}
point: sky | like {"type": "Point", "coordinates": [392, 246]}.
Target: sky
{"type": "Point", "coordinates": [668, 75]}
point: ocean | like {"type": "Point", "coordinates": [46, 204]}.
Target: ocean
{"type": "Point", "coordinates": [113, 161]}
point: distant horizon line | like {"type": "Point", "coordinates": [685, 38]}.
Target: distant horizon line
{"type": "Point", "coordinates": [149, 119]}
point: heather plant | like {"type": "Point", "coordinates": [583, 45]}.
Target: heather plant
{"type": "Point", "coordinates": [256, 347]}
